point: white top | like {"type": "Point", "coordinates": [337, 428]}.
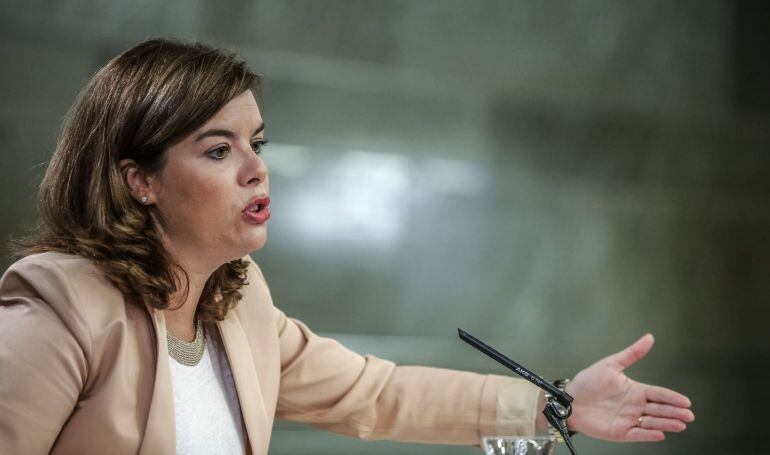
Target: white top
{"type": "Point", "coordinates": [206, 408]}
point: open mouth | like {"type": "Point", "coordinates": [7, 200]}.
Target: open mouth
{"type": "Point", "coordinates": [257, 204]}
{"type": "Point", "coordinates": [257, 211]}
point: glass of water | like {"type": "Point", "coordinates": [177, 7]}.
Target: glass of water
{"type": "Point", "coordinates": [518, 445]}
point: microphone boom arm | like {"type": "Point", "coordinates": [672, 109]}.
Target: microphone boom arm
{"type": "Point", "coordinates": [559, 404]}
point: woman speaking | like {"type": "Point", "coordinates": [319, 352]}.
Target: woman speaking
{"type": "Point", "coordinates": [136, 322]}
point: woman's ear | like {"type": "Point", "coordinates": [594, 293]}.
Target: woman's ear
{"type": "Point", "coordinates": [138, 182]}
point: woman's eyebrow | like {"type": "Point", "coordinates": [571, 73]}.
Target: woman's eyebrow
{"type": "Point", "coordinates": [225, 133]}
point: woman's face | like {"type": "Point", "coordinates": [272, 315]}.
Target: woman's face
{"type": "Point", "coordinates": [211, 195]}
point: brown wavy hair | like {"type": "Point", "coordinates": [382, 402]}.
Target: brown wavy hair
{"type": "Point", "coordinates": [136, 106]}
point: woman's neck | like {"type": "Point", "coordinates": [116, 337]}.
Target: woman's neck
{"type": "Point", "coordinates": [180, 321]}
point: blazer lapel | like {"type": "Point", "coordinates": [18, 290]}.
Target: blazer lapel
{"type": "Point", "coordinates": [160, 430]}
{"type": "Point", "coordinates": [159, 433]}
{"type": "Point", "coordinates": [246, 382]}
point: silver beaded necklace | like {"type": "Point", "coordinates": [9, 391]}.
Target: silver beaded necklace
{"type": "Point", "coordinates": [187, 353]}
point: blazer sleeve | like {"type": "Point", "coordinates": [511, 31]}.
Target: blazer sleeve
{"type": "Point", "coordinates": [331, 387]}
{"type": "Point", "coordinates": [42, 363]}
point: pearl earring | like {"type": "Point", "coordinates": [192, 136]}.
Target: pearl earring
{"type": "Point", "coordinates": [143, 200]}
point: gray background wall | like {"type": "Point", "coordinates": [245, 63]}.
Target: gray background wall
{"type": "Point", "coordinates": [557, 177]}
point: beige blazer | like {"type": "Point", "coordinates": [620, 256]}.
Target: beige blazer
{"type": "Point", "coordinates": [82, 371]}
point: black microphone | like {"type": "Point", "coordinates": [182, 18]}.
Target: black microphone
{"type": "Point", "coordinates": [559, 405]}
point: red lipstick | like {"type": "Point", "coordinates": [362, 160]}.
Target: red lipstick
{"type": "Point", "coordinates": [257, 212]}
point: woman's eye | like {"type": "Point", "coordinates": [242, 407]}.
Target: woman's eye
{"type": "Point", "coordinates": [219, 153]}
{"type": "Point", "coordinates": [257, 145]}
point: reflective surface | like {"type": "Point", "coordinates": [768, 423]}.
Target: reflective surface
{"type": "Point", "coordinates": [509, 445]}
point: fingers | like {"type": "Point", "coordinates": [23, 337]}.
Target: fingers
{"type": "Point", "coordinates": [662, 424]}
{"type": "Point", "coordinates": [633, 353]}
{"type": "Point", "coordinates": [640, 434]}
{"type": "Point", "coordinates": [653, 428]}
{"type": "Point", "coordinates": [667, 411]}
{"type": "Point", "coordinates": [666, 396]}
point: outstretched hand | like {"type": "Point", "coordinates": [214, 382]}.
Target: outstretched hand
{"type": "Point", "coordinates": [609, 405]}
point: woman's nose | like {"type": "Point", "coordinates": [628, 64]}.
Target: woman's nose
{"type": "Point", "coordinates": [254, 169]}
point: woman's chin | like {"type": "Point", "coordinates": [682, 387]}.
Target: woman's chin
{"type": "Point", "coordinates": [244, 246]}
{"type": "Point", "coordinates": [257, 243]}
